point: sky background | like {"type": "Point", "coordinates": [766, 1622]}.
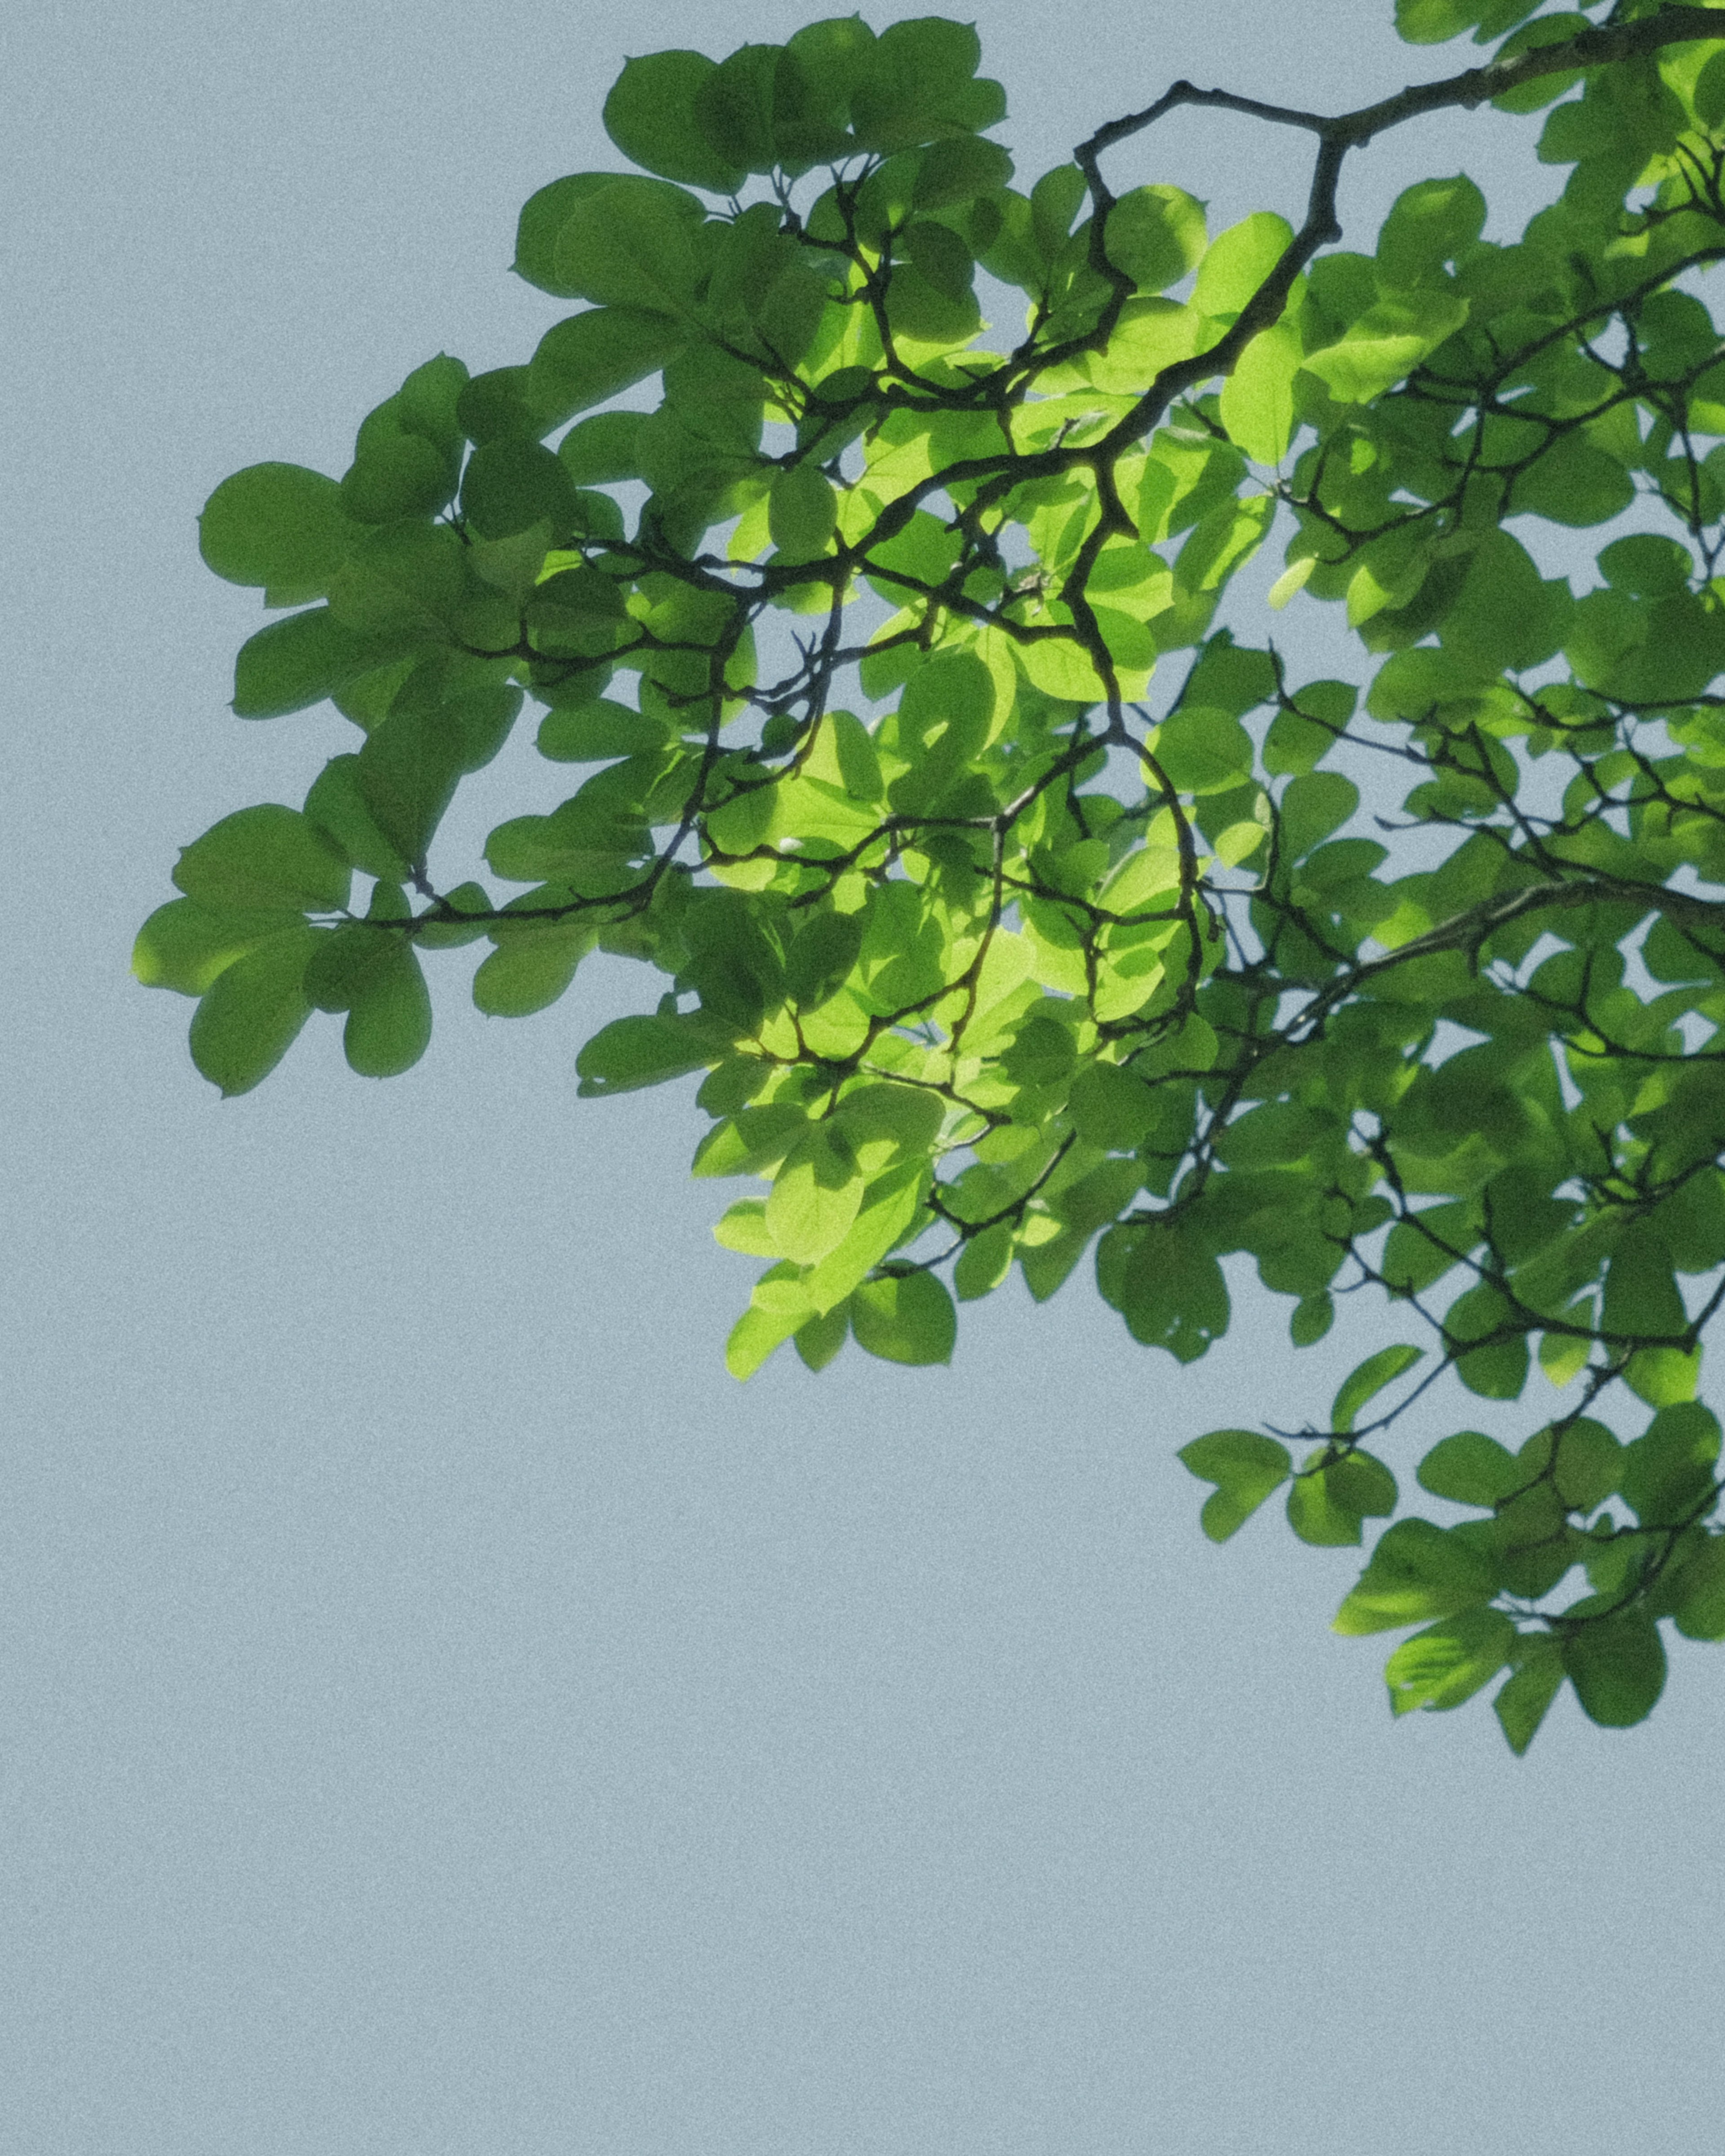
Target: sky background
{"type": "Point", "coordinates": [441, 1714]}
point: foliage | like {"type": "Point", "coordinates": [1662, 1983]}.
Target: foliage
{"type": "Point", "coordinates": [991, 959]}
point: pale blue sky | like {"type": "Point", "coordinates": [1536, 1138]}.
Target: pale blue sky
{"type": "Point", "coordinates": [443, 1715]}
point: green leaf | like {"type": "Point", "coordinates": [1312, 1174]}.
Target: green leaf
{"type": "Point", "coordinates": [510, 485]}
{"type": "Point", "coordinates": [341, 966]}
{"type": "Point", "coordinates": [1417, 1572]}
{"type": "Point", "coordinates": [1574, 483]}
{"type": "Point", "coordinates": [904, 1317]}
{"type": "Point", "coordinates": [1617, 1666]}
{"type": "Point", "coordinates": [958, 170]}
{"type": "Point", "coordinates": [1155, 234]}
{"type": "Point", "coordinates": [820, 1340]}
{"type": "Point", "coordinates": [776, 1310]}
{"type": "Point", "coordinates": [802, 511]}
{"type": "Point", "coordinates": [915, 84]}
{"type": "Point", "coordinates": [1203, 751]}
{"type": "Point", "coordinates": [1697, 1592]}
{"type": "Point", "coordinates": [1313, 1316]}
{"type": "Point", "coordinates": [1469, 1469]}
{"type": "Point", "coordinates": [407, 773]}
{"type": "Point", "coordinates": [1245, 1468]}
{"type": "Point", "coordinates": [1589, 1461]}
{"type": "Point", "coordinates": [1547, 30]}
{"type": "Point", "coordinates": [1430, 224]}
{"type": "Point", "coordinates": [604, 448]}
{"type": "Point", "coordinates": [1368, 1379]}
{"type": "Point", "coordinates": [888, 1208]}
{"type": "Point", "coordinates": [1430, 22]}
{"type": "Point", "coordinates": [1166, 1285]}
{"type": "Point", "coordinates": [541, 219]}
{"type": "Point", "coordinates": [389, 1025]}
{"type": "Point", "coordinates": [185, 947]}
{"type": "Point", "coordinates": [1641, 1293]}
{"type": "Point", "coordinates": [276, 525]}
{"type": "Point", "coordinates": [983, 1263]}
{"type": "Point", "coordinates": [1504, 613]}
{"type": "Point", "coordinates": [1663, 1377]}
{"type": "Point", "coordinates": [734, 107]}
{"type": "Point", "coordinates": [336, 804]}
{"type": "Point", "coordinates": [1311, 807]}
{"type": "Point", "coordinates": [597, 733]}
{"type": "Point", "coordinates": [815, 1196]}
{"type": "Point", "coordinates": [1110, 1107]}
{"type": "Point", "coordinates": [265, 859]}
{"type": "Point", "coordinates": [823, 957]}
{"type": "Point", "coordinates": [1258, 397]}
{"type": "Point", "coordinates": [1709, 92]}
{"type": "Point", "coordinates": [406, 580]}
{"type": "Point", "coordinates": [1386, 344]}
{"type": "Point", "coordinates": [589, 357]}
{"type": "Point", "coordinates": [298, 662]}
{"type": "Point", "coordinates": [1327, 1503]}
{"type": "Point", "coordinates": [830, 57]}
{"type": "Point", "coordinates": [1668, 1472]}
{"type": "Point", "coordinates": [1448, 1663]}
{"type": "Point", "coordinates": [631, 1052]}
{"type": "Point", "coordinates": [530, 971]}
{"type": "Point", "coordinates": [252, 1012]}
{"type": "Point", "coordinates": [635, 243]}
{"type": "Point", "coordinates": [1521, 1704]}
{"type": "Point", "coordinates": [1237, 261]}
{"type": "Point", "coordinates": [1496, 1369]}
{"type": "Point", "coordinates": [650, 115]}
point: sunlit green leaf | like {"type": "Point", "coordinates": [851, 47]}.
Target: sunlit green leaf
{"type": "Point", "coordinates": [1245, 1468]}
{"type": "Point", "coordinates": [1446, 1664]}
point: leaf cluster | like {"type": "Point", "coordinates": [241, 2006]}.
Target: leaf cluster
{"type": "Point", "coordinates": [994, 959]}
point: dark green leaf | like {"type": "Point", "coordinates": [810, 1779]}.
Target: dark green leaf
{"type": "Point", "coordinates": [904, 1317]}
{"type": "Point", "coordinates": [530, 971]}
{"type": "Point", "coordinates": [542, 218]}
{"type": "Point", "coordinates": [1696, 1593]}
{"type": "Point", "coordinates": [592, 356]}
{"type": "Point", "coordinates": [1169, 1288]}
{"type": "Point", "coordinates": [252, 1012]}
{"type": "Point", "coordinates": [276, 525]}
{"type": "Point", "coordinates": [1521, 1704]}
{"type": "Point", "coordinates": [298, 662]}
{"type": "Point", "coordinates": [1469, 1469]}
{"type": "Point", "coordinates": [597, 733]}
{"type": "Point", "coordinates": [823, 956]}
{"type": "Point", "coordinates": [389, 1023]}
{"type": "Point", "coordinates": [820, 1339]}
{"type": "Point", "coordinates": [510, 485]}
{"type": "Point", "coordinates": [645, 1051]}
{"type": "Point", "coordinates": [1617, 1666]}
{"type": "Point", "coordinates": [264, 858]}
{"type": "Point", "coordinates": [1669, 1471]}
{"type": "Point", "coordinates": [803, 511]}
{"type": "Point", "coordinates": [650, 115]}
{"type": "Point", "coordinates": [337, 805]}
{"type": "Point", "coordinates": [635, 243]}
